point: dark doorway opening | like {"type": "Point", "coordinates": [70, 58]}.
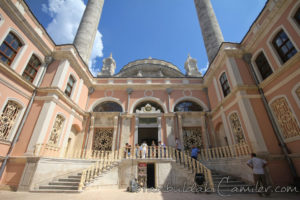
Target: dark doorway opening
{"type": "Point", "coordinates": [147, 135]}
{"type": "Point", "coordinates": [150, 175]}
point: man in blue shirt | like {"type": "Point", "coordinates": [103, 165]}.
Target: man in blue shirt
{"type": "Point", "coordinates": [195, 152]}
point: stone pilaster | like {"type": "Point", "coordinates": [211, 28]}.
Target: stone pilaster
{"type": "Point", "coordinates": [210, 28]}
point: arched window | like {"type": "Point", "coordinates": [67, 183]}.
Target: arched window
{"type": "Point", "coordinates": [8, 118]}
{"type": "Point", "coordinates": [70, 85]}
{"type": "Point", "coordinates": [284, 46]}
{"type": "Point", "coordinates": [263, 66]}
{"type": "Point", "coordinates": [9, 48]}
{"type": "Point", "coordinates": [32, 68]}
{"type": "Point", "coordinates": [108, 106]}
{"type": "Point", "coordinates": [148, 105]}
{"type": "Point", "coordinates": [187, 106]}
{"type": "Point", "coordinates": [224, 84]}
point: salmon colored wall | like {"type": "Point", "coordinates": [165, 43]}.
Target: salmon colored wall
{"type": "Point", "coordinates": [212, 95]}
{"type": "Point", "coordinates": [25, 136]}
{"type": "Point", "coordinates": [4, 149]}
{"type": "Point", "coordinates": [244, 71]}
{"type": "Point", "coordinates": [50, 73]}
{"type": "Point", "coordinates": [12, 174]}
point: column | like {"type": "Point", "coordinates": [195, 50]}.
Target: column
{"type": "Point", "coordinates": [180, 134]}
{"type": "Point", "coordinates": [210, 28]}
{"type": "Point", "coordinates": [159, 128]}
{"type": "Point", "coordinates": [170, 130]}
{"type": "Point", "coordinates": [85, 36]}
{"type": "Point", "coordinates": [136, 130]}
{"type": "Point", "coordinates": [91, 134]}
{"type": "Point", "coordinates": [116, 122]}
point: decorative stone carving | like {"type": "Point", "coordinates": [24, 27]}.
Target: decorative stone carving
{"type": "Point", "coordinates": [191, 67]}
{"type": "Point", "coordinates": [192, 136]}
{"type": "Point", "coordinates": [236, 128]}
{"type": "Point", "coordinates": [8, 118]}
{"type": "Point", "coordinates": [148, 109]}
{"type": "Point", "coordinates": [108, 68]}
{"type": "Point", "coordinates": [285, 118]}
{"type": "Point", "coordinates": [56, 130]}
{"type": "Point", "coordinates": [103, 139]}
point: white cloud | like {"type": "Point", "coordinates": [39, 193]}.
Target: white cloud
{"type": "Point", "coordinates": [66, 16]}
{"type": "Point", "coordinates": [203, 69]}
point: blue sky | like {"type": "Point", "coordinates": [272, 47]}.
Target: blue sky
{"type": "Point", "coordinates": [136, 29]}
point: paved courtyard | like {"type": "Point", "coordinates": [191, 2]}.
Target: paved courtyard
{"type": "Point", "coordinates": [117, 194]}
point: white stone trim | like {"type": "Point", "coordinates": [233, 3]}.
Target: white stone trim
{"type": "Point", "coordinates": [257, 72]}
{"type": "Point", "coordinates": [228, 132]}
{"type": "Point", "coordinates": [62, 130]}
{"type": "Point", "coordinates": [233, 71]}
{"type": "Point", "coordinates": [15, 127]}
{"type": "Point", "coordinates": [194, 99]}
{"type": "Point", "coordinates": [159, 126]}
{"type": "Point", "coordinates": [79, 91]}
{"type": "Point", "coordinates": [14, 88]}
{"type": "Point", "coordinates": [254, 133]}
{"type": "Point", "coordinates": [136, 130]}
{"type": "Point", "coordinates": [60, 74]}
{"type": "Point", "coordinates": [273, 50]}
{"type": "Point", "coordinates": [101, 100]}
{"type": "Point", "coordinates": [291, 17]}
{"type": "Point", "coordinates": [216, 89]}
{"type": "Point", "coordinates": [292, 110]}
{"type": "Point", "coordinates": [116, 122]}
{"type": "Point", "coordinates": [65, 135]}
{"type": "Point", "coordinates": [295, 95]}
{"type": "Point", "coordinates": [41, 126]}
{"type": "Point", "coordinates": [154, 99]}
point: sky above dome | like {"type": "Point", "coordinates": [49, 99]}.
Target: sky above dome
{"type": "Point", "coordinates": [136, 29]}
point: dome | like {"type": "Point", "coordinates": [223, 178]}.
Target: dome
{"type": "Point", "coordinates": [149, 68]}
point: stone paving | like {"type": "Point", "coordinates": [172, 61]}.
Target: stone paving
{"type": "Point", "coordinates": [117, 194]}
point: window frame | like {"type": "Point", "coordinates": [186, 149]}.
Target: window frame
{"type": "Point", "coordinates": [9, 46]}
{"type": "Point", "coordinates": [222, 84]}
{"type": "Point", "coordinates": [25, 72]}
{"type": "Point", "coordinates": [258, 71]}
{"type": "Point", "coordinates": [278, 48]}
{"type": "Point", "coordinates": [69, 94]}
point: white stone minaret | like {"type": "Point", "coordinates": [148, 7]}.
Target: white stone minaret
{"type": "Point", "coordinates": [210, 28]}
{"type": "Point", "coordinates": [85, 36]}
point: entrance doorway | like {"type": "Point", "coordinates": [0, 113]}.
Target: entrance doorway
{"type": "Point", "coordinates": [150, 175]}
{"type": "Point", "coordinates": [147, 135]}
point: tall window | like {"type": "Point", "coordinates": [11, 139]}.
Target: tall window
{"type": "Point", "coordinates": [263, 66]}
{"type": "Point", "coordinates": [70, 86]}
{"type": "Point", "coordinates": [9, 48]}
{"type": "Point", "coordinates": [284, 46]}
{"type": "Point", "coordinates": [8, 118]}
{"type": "Point", "coordinates": [31, 68]}
{"type": "Point", "coordinates": [224, 84]}
{"type": "Point", "coordinates": [297, 16]}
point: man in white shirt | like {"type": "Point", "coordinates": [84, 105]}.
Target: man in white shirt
{"type": "Point", "coordinates": [258, 165]}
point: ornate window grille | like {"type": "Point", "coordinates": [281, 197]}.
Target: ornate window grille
{"type": "Point", "coordinates": [8, 118]}
{"type": "Point", "coordinates": [103, 139]}
{"type": "Point", "coordinates": [263, 66]}
{"type": "Point", "coordinates": [31, 68]}
{"type": "Point", "coordinates": [9, 48]}
{"type": "Point", "coordinates": [284, 46]}
{"type": "Point", "coordinates": [236, 128]}
{"type": "Point", "coordinates": [56, 130]}
{"type": "Point", "coordinates": [224, 84]}
{"type": "Point", "coordinates": [285, 118]}
{"type": "Point", "coordinates": [192, 137]}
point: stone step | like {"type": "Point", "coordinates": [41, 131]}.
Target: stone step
{"type": "Point", "coordinates": [230, 183]}
{"type": "Point", "coordinates": [64, 183]}
{"type": "Point", "coordinates": [234, 186]}
{"type": "Point", "coordinates": [58, 187]}
{"type": "Point", "coordinates": [75, 176]}
{"type": "Point", "coordinates": [56, 191]}
{"type": "Point", "coordinates": [69, 179]}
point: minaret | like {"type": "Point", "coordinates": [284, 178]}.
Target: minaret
{"type": "Point", "coordinates": [85, 36]}
{"type": "Point", "coordinates": [210, 28]}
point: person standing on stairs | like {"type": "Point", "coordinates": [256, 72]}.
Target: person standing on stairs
{"type": "Point", "coordinates": [258, 165]}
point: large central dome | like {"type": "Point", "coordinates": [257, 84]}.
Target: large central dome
{"type": "Point", "coordinates": [149, 68]}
